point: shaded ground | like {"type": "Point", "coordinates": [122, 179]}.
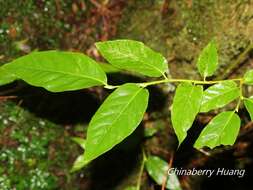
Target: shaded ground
{"type": "Point", "coordinates": [36, 127]}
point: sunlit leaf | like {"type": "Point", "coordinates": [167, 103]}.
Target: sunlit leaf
{"type": "Point", "coordinates": [133, 56]}
{"type": "Point", "coordinates": [116, 119]}
{"type": "Point", "coordinates": [222, 130]}
{"type": "Point", "coordinates": [185, 107]}
{"type": "Point", "coordinates": [6, 77]}
{"type": "Point", "coordinates": [158, 169]}
{"type": "Point", "coordinates": [109, 68]}
{"type": "Point", "coordinates": [208, 60]}
{"type": "Point", "coordinates": [248, 102]}
{"type": "Point", "coordinates": [58, 71]}
{"type": "Point", "coordinates": [248, 77]}
{"type": "Point", "coordinates": [219, 95]}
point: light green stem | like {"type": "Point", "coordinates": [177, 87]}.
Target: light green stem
{"type": "Point", "coordinates": [241, 96]}
{"type": "Point", "coordinates": [184, 80]}
{"type": "Point", "coordinates": [145, 84]}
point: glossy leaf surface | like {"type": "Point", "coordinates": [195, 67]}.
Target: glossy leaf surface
{"type": "Point", "coordinates": [219, 95]}
{"type": "Point", "coordinates": [185, 107]}
{"type": "Point", "coordinates": [116, 119]}
{"type": "Point", "coordinates": [158, 169]}
{"type": "Point", "coordinates": [208, 60]}
{"type": "Point", "coordinates": [248, 77]}
{"type": "Point", "coordinates": [58, 71]}
{"type": "Point", "coordinates": [133, 56]}
{"type": "Point", "coordinates": [222, 130]}
{"type": "Point", "coordinates": [5, 76]}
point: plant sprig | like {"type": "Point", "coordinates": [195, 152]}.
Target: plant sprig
{"type": "Point", "coordinates": [123, 110]}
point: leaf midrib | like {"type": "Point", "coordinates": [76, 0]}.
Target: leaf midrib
{"type": "Point", "coordinates": [137, 59]}
{"type": "Point", "coordinates": [118, 116]}
{"type": "Point", "coordinates": [218, 96]}
{"type": "Point", "coordinates": [61, 72]}
{"type": "Point", "coordinates": [224, 126]}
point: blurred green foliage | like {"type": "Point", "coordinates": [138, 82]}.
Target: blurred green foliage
{"type": "Point", "coordinates": [30, 155]}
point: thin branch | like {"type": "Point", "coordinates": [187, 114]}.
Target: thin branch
{"type": "Point", "coordinates": [166, 175]}
{"type": "Point", "coordinates": [145, 84]}
{"type": "Point", "coordinates": [138, 186]}
{"type": "Point", "coordinates": [3, 98]}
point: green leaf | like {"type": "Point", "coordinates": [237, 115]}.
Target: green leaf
{"type": "Point", "coordinates": [248, 102]}
{"type": "Point", "coordinates": [58, 71]}
{"type": "Point", "coordinates": [79, 163]}
{"type": "Point", "coordinates": [222, 130]}
{"type": "Point", "coordinates": [208, 60]}
{"type": "Point", "coordinates": [80, 141]}
{"type": "Point", "coordinates": [185, 107]}
{"type": "Point", "coordinates": [133, 56]}
{"type": "Point", "coordinates": [158, 169]}
{"type": "Point", "coordinates": [248, 77]}
{"type": "Point", "coordinates": [109, 68]}
{"type": "Point", "coordinates": [5, 76]}
{"type": "Point", "coordinates": [219, 95]}
{"type": "Point", "coordinates": [116, 119]}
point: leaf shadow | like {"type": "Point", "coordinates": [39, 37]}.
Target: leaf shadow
{"type": "Point", "coordinates": [64, 108]}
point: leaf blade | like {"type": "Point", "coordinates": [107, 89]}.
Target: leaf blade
{"type": "Point", "coordinates": [116, 119]}
{"type": "Point", "coordinates": [248, 102]}
{"type": "Point", "coordinates": [5, 76]}
{"type": "Point", "coordinates": [222, 130]}
{"type": "Point", "coordinates": [208, 60]}
{"type": "Point", "coordinates": [107, 68]}
{"type": "Point", "coordinates": [248, 77]}
{"type": "Point", "coordinates": [133, 56]}
{"type": "Point", "coordinates": [58, 71]}
{"type": "Point", "coordinates": [185, 107]}
{"type": "Point", "coordinates": [157, 169]}
{"type": "Point", "coordinates": [219, 95]}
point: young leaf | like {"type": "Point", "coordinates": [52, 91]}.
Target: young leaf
{"type": "Point", "coordinates": [185, 107]}
{"type": "Point", "coordinates": [116, 119]}
{"type": "Point", "coordinates": [219, 95]}
{"type": "Point", "coordinates": [248, 102]}
{"type": "Point", "coordinates": [58, 71]}
{"type": "Point", "coordinates": [79, 162]}
{"type": "Point", "coordinates": [222, 130]}
{"type": "Point", "coordinates": [208, 60]}
{"type": "Point", "coordinates": [158, 169]}
{"type": "Point", "coordinates": [248, 77]}
{"type": "Point", "coordinates": [80, 141]}
{"type": "Point", "coordinates": [133, 56]}
{"type": "Point", "coordinates": [6, 77]}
